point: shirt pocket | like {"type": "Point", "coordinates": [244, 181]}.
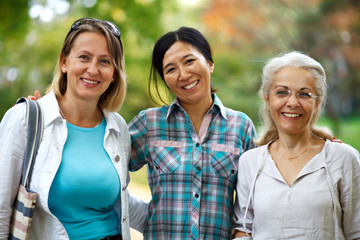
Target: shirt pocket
{"type": "Point", "coordinates": [166, 155]}
{"type": "Point", "coordinates": [224, 159]}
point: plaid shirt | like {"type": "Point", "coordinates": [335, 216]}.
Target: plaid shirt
{"type": "Point", "coordinates": [192, 176]}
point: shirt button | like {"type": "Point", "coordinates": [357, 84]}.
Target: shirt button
{"type": "Point", "coordinates": [196, 195]}
{"type": "Point", "coordinates": [198, 168]}
{"type": "Point", "coordinates": [117, 158]}
{"type": "Point", "coordinates": [124, 218]}
{"type": "Point", "coordinates": [232, 171]}
{"type": "Point", "coordinates": [123, 188]}
{"type": "Point", "coordinates": [157, 167]}
{"type": "Point", "coordinates": [197, 145]}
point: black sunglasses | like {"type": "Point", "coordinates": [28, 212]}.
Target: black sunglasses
{"type": "Point", "coordinates": [90, 21]}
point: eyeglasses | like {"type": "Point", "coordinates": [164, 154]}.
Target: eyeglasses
{"type": "Point", "coordinates": [91, 21]}
{"type": "Point", "coordinates": [284, 94]}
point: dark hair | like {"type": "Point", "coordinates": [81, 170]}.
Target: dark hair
{"type": "Point", "coordinates": [184, 34]}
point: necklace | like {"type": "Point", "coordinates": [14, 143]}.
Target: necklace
{"type": "Point", "coordinates": [290, 159]}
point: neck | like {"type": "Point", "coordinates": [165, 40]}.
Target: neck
{"type": "Point", "coordinates": [291, 147]}
{"type": "Point", "coordinates": [197, 112]}
{"type": "Point", "coordinates": [80, 113]}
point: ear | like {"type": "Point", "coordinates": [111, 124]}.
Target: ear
{"type": "Point", "coordinates": [318, 102]}
{"type": "Point", "coordinates": [63, 63]}
{"type": "Point", "coordinates": [211, 67]}
{"type": "Point", "coordinates": [267, 102]}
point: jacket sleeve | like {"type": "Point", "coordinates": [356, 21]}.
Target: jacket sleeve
{"type": "Point", "coordinates": [12, 147]}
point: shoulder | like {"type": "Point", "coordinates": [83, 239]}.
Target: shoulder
{"type": "Point", "coordinates": [149, 113]}
{"type": "Point", "coordinates": [115, 121]}
{"type": "Point", "coordinates": [255, 152]}
{"type": "Point", "coordinates": [15, 114]}
{"type": "Point", "coordinates": [238, 117]}
{"type": "Point", "coordinates": [340, 149]}
{"type": "Point", "coordinates": [254, 156]}
{"type": "Point", "coordinates": [341, 153]}
{"type": "Point", "coordinates": [117, 117]}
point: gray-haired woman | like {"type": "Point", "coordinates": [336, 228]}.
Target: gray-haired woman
{"type": "Point", "coordinates": [298, 184]}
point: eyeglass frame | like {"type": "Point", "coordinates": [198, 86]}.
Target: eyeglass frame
{"type": "Point", "coordinates": [89, 21]}
{"type": "Point", "coordinates": [308, 96]}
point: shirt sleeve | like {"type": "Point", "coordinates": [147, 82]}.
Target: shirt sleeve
{"type": "Point", "coordinates": [243, 201]}
{"type": "Point", "coordinates": [138, 131]}
{"type": "Point", "coordinates": [249, 134]}
{"type": "Point", "coordinates": [12, 147]}
{"type": "Point", "coordinates": [138, 211]}
{"type": "Point", "coordinates": [350, 194]}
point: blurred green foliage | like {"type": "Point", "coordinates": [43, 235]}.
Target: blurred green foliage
{"type": "Point", "coordinates": [243, 35]}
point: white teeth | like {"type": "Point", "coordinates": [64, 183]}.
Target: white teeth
{"type": "Point", "coordinates": [191, 85]}
{"type": "Point", "coordinates": [89, 81]}
{"type": "Point", "coordinates": [291, 115]}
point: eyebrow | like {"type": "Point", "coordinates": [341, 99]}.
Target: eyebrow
{"type": "Point", "coordinates": [303, 88]}
{"type": "Point", "coordinates": [186, 56]}
{"type": "Point", "coordinates": [80, 52]}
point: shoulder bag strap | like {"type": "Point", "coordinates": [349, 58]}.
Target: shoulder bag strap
{"type": "Point", "coordinates": [34, 121]}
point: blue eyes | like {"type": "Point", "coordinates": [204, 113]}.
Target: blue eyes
{"type": "Point", "coordinates": [88, 58]}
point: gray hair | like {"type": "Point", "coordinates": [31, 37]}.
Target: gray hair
{"type": "Point", "coordinates": [274, 65]}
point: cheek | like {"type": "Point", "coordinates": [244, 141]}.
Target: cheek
{"type": "Point", "coordinates": [169, 82]}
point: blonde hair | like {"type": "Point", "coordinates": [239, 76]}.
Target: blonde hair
{"type": "Point", "coordinates": [113, 98]}
{"type": "Point", "coordinates": [274, 65]}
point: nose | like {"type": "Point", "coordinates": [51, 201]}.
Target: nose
{"type": "Point", "coordinates": [93, 68]}
{"type": "Point", "coordinates": [183, 73]}
{"type": "Point", "coordinates": [293, 100]}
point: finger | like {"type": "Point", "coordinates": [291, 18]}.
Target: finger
{"type": "Point", "coordinates": [31, 97]}
{"type": "Point", "coordinates": [37, 94]}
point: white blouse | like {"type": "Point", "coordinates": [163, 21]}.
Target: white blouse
{"type": "Point", "coordinates": [322, 203]}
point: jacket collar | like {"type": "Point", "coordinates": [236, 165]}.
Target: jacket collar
{"type": "Point", "coordinates": [50, 106]}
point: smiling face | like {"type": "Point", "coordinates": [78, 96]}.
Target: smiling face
{"type": "Point", "coordinates": [292, 114]}
{"type": "Point", "coordinates": [88, 66]}
{"type": "Point", "coordinates": [187, 74]}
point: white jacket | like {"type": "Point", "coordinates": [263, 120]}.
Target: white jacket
{"type": "Point", "coordinates": [12, 146]}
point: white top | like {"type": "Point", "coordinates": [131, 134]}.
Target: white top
{"type": "Point", "coordinates": [12, 146]}
{"type": "Point", "coordinates": [322, 203]}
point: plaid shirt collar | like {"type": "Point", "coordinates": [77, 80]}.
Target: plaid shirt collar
{"type": "Point", "coordinates": [217, 103]}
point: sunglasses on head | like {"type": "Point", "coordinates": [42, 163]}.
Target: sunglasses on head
{"type": "Point", "coordinates": [91, 21]}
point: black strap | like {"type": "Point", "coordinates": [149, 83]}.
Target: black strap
{"type": "Point", "coordinates": [34, 122]}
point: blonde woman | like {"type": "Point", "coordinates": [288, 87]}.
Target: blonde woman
{"type": "Point", "coordinates": [81, 169]}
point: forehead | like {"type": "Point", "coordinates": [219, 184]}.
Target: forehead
{"type": "Point", "coordinates": [294, 77]}
{"type": "Point", "coordinates": [179, 50]}
{"type": "Point", "coordinates": [91, 40]}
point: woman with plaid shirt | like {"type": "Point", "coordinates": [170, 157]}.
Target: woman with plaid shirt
{"type": "Point", "coordinates": [191, 147]}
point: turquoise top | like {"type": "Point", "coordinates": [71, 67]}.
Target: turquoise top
{"type": "Point", "coordinates": [86, 186]}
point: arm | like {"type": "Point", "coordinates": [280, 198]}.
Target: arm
{"type": "Point", "coordinates": [243, 191]}
{"type": "Point", "coordinates": [250, 135]}
{"type": "Point", "coordinates": [12, 148]}
{"type": "Point", "coordinates": [137, 130]}
{"type": "Point", "coordinates": [350, 195]}
{"type": "Point", "coordinates": [138, 211]}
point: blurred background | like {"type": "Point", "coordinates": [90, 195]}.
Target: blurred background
{"type": "Point", "coordinates": [243, 35]}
